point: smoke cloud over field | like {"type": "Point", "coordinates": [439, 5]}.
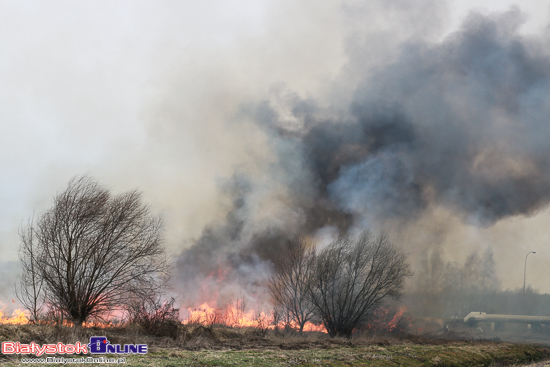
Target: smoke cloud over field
{"type": "Point", "coordinates": [459, 123]}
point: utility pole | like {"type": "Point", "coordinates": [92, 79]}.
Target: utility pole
{"type": "Point", "coordinates": [524, 273]}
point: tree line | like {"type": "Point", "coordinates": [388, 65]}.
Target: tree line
{"type": "Point", "coordinates": [449, 289]}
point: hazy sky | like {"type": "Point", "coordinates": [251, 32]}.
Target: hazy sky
{"type": "Point", "coordinates": [147, 95]}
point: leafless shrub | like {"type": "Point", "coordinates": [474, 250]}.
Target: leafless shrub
{"type": "Point", "coordinates": [91, 252]}
{"type": "Point", "coordinates": [289, 284]}
{"type": "Point", "coordinates": [276, 317]}
{"type": "Point", "coordinates": [386, 320]}
{"type": "Point", "coordinates": [53, 316]}
{"type": "Point", "coordinates": [234, 312]}
{"type": "Point", "coordinates": [155, 316]}
{"type": "Point", "coordinates": [29, 291]}
{"type": "Point", "coordinates": [262, 322]}
{"type": "Point", "coordinates": [352, 278]}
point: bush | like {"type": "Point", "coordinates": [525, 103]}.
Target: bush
{"type": "Point", "coordinates": [353, 277]}
{"type": "Point", "coordinates": [155, 316]}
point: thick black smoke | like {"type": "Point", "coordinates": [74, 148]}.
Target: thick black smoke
{"type": "Point", "coordinates": [462, 123]}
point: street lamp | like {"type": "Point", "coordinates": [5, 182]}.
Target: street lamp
{"type": "Point", "coordinates": [524, 273]}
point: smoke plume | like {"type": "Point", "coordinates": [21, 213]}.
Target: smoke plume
{"type": "Point", "coordinates": [460, 123]}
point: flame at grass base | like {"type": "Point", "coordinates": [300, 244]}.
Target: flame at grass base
{"type": "Point", "coordinates": [22, 317]}
{"type": "Point", "coordinates": [233, 316]}
{"type": "Point", "coordinates": [18, 317]}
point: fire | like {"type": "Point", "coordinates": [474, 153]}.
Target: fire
{"type": "Point", "coordinates": [97, 324]}
{"type": "Point", "coordinates": [230, 316]}
{"type": "Point", "coordinates": [22, 317]}
{"type": "Point", "coordinates": [234, 316]}
{"type": "Point", "coordinates": [383, 320]}
{"type": "Point", "coordinates": [396, 318]}
{"type": "Point", "coordinates": [18, 317]}
{"type": "Point", "coordinates": [309, 326]}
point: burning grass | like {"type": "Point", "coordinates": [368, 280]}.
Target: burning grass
{"type": "Point", "coordinates": [17, 317]}
{"type": "Point", "coordinates": [235, 316]}
{"type": "Point", "coordinates": [221, 340]}
{"type": "Point", "coordinates": [160, 318]}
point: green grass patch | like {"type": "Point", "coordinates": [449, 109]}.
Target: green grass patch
{"type": "Point", "coordinates": [456, 354]}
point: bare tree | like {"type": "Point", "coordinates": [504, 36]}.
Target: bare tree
{"type": "Point", "coordinates": [29, 291]}
{"type": "Point", "coordinates": [353, 277]}
{"type": "Point", "coordinates": [289, 283]}
{"type": "Point", "coordinates": [93, 252]}
{"type": "Point", "coordinates": [155, 315]}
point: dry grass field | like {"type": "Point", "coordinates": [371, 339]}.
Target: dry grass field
{"type": "Point", "coordinates": [197, 345]}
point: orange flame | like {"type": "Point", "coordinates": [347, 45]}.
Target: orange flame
{"type": "Point", "coordinates": [309, 326]}
{"type": "Point", "coordinates": [18, 317]}
{"type": "Point", "coordinates": [22, 317]}
{"type": "Point", "coordinates": [232, 316]}
{"type": "Point", "coordinates": [383, 320]}
{"type": "Point", "coordinates": [392, 325]}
